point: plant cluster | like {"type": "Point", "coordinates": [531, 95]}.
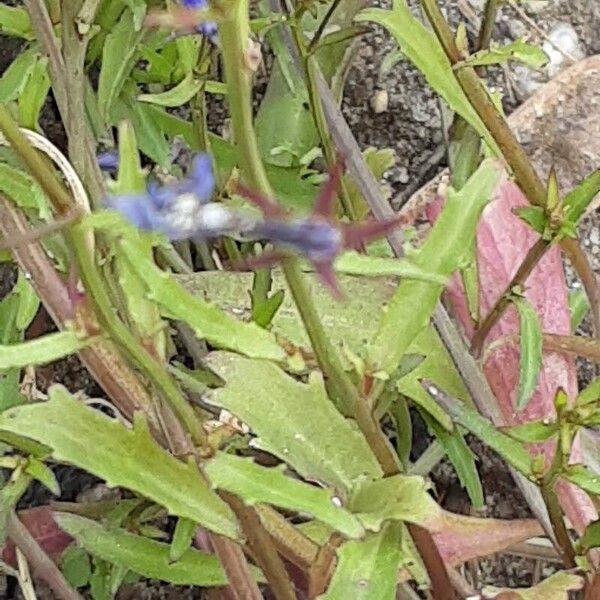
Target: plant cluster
{"type": "Point", "coordinates": [262, 329]}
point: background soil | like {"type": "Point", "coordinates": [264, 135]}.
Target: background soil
{"type": "Point", "coordinates": [413, 126]}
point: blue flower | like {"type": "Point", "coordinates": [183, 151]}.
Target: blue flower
{"type": "Point", "coordinates": [176, 209]}
{"type": "Point", "coordinates": [208, 28]}
{"type": "Point", "coordinates": [108, 161]}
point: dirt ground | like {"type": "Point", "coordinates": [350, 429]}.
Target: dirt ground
{"type": "Point", "coordinates": [413, 126]}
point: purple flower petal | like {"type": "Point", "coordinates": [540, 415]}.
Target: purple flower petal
{"type": "Point", "coordinates": [108, 161]}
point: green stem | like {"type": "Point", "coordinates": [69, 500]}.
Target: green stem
{"type": "Point", "coordinates": [487, 27]}
{"type": "Point", "coordinates": [93, 282]}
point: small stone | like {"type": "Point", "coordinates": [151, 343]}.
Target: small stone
{"type": "Point", "coordinates": [380, 101]}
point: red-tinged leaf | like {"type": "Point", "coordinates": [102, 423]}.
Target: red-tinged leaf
{"type": "Point", "coordinates": [268, 207]}
{"type": "Point", "coordinates": [42, 526]}
{"type": "Point", "coordinates": [502, 243]}
{"type": "Point", "coordinates": [461, 538]}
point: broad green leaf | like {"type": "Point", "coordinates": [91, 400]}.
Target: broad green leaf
{"type": "Point", "coordinates": [253, 483]}
{"type": "Point", "coordinates": [555, 587]}
{"type": "Point", "coordinates": [42, 350]}
{"type": "Point", "coordinates": [519, 51]}
{"type": "Point", "coordinates": [578, 199]}
{"type": "Point", "coordinates": [182, 538]}
{"type": "Point", "coordinates": [183, 92]}
{"type": "Point", "coordinates": [398, 498]}
{"type": "Point", "coordinates": [368, 569]}
{"type": "Point", "coordinates": [507, 447]}
{"type": "Point", "coordinates": [188, 50]}
{"type": "Point", "coordinates": [33, 96]}
{"type": "Point", "coordinates": [422, 48]}
{"type": "Point", "coordinates": [118, 57]}
{"type": "Point", "coordinates": [130, 458]}
{"type": "Point", "coordinates": [138, 9]}
{"type": "Point", "coordinates": [590, 537]}
{"type": "Point", "coordinates": [534, 216]}
{"type": "Point", "coordinates": [141, 555]}
{"type": "Point", "coordinates": [15, 77]}
{"type": "Point", "coordinates": [462, 459]}
{"type": "Point", "coordinates": [150, 138]}
{"type": "Point", "coordinates": [295, 421]}
{"type": "Point", "coordinates": [75, 566]}
{"type": "Point", "coordinates": [584, 478]}
{"type": "Point", "coordinates": [590, 394]}
{"type": "Point", "coordinates": [578, 307]}
{"type": "Point", "coordinates": [207, 321]}
{"type": "Point", "coordinates": [23, 190]}
{"type": "Point", "coordinates": [532, 432]}
{"type": "Point", "coordinates": [38, 470]}
{"type": "Point", "coordinates": [443, 252]}
{"type": "Point", "coordinates": [29, 303]}
{"type": "Point", "coordinates": [15, 22]}
{"type": "Point", "coordinates": [530, 359]}
{"type": "Point", "coordinates": [158, 69]}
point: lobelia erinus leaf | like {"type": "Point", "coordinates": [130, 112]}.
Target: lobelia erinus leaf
{"type": "Point", "coordinates": [86, 438]}
{"type": "Point", "coordinates": [530, 357]}
{"type": "Point", "coordinates": [254, 483]}
{"type": "Point", "coordinates": [442, 252]}
{"type": "Point", "coordinates": [518, 50]}
{"type": "Point", "coordinates": [33, 96]}
{"type": "Point", "coordinates": [295, 421]}
{"type": "Point", "coordinates": [144, 556]}
{"type": "Point", "coordinates": [368, 569]}
{"type": "Point", "coordinates": [178, 95]}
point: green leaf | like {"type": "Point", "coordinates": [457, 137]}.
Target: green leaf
{"type": "Point", "coordinates": [188, 49]}
{"type": "Point", "coordinates": [590, 538]}
{"type": "Point", "coordinates": [422, 48]}
{"type": "Point", "coordinates": [150, 138]}
{"type": "Point", "coordinates": [578, 307]}
{"type": "Point", "coordinates": [507, 447]}
{"type": "Point", "coordinates": [15, 22]}
{"type": "Point", "coordinates": [555, 587]}
{"type": "Point", "coordinates": [353, 263]}
{"type": "Point", "coordinates": [141, 555]}
{"type": "Point", "coordinates": [42, 350]}
{"type": "Point", "coordinates": [590, 394]}
{"type": "Point", "coordinates": [38, 470]}
{"type": "Point", "coordinates": [584, 478]}
{"type": "Point", "coordinates": [75, 566]}
{"type": "Point", "coordinates": [462, 459]}
{"type": "Point", "coordinates": [24, 191]}
{"type": "Point", "coordinates": [293, 420]}
{"type": "Point", "coordinates": [138, 9]}
{"type": "Point", "coordinates": [443, 252]}
{"type": "Point", "coordinates": [131, 178]}
{"type": "Point", "coordinates": [532, 432]}
{"type": "Point", "coordinates": [183, 92]}
{"type": "Point", "coordinates": [530, 359]}
{"type": "Point", "coordinates": [29, 303]}
{"type": "Point", "coordinates": [520, 51]}
{"type": "Point", "coordinates": [182, 538]}
{"type": "Point", "coordinates": [368, 569]}
{"type": "Point", "coordinates": [118, 57]}
{"type": "Point", "coordinates": [397, 498]}
{"type": "Point", "coordinates": [15, 77]}
{"type": "Point", "coordinates": [578, 199]}
{"type": "Point", "coordinates": [33, 96]}
{"type": "Point", "coordinates": [130, 458]}
{"type": "Point", "coordinates": [534, 216]}
{"type": "Point", "coordinates": [207, 321]}
{"type": "Point", "coordinates": [253, 483]}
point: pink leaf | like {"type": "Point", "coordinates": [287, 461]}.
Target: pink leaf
{"type": "Point", "coordinates": [503, 241]}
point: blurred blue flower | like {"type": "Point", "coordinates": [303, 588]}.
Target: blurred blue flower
{"type": "Point", "coordinates": [209, 28]}
{"type": "Point", "coordinates": [109, 160]}
{"type": "Point", "coordinates": [176, 209]}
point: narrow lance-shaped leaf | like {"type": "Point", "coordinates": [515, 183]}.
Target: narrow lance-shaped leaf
{"type": "Point", "coordinates": [33, 96]}
{"type": "Point", "coordinates": [530, 359]}
{"type": "Point", "coordinates": [578, 199]}
{"type": "Point", "coordinates": [519, 50]}
{"type": "Point", "coordinates": [130, 458]}
{"type": "Point", "coordinates": [368, 569]}
{"type": "Point", "coordinates": [15, 77]}
{"type": "Point", "coordinates": [141, 555]}
{"type": "Point", "coordinates": [443, 251]}
{"type": "Point", "coordinates": [42, 350]}
{"type": "Point", "coordinates": [118, 57]}
{"type": "Point", "coordinates": [183, 92]}
{"type": "Point", "coordinates": [15, 21]}
{"type": "Point", "coordinates": [507, 447]}
{"type": "Point", "coordinates": [578, 307]}
{"type": "Point", "coordinates": [254, 483]}
{"type": "Point", "coordinates": [295, 421]}
{"type": "Point", "coordinates": [182, 538]}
